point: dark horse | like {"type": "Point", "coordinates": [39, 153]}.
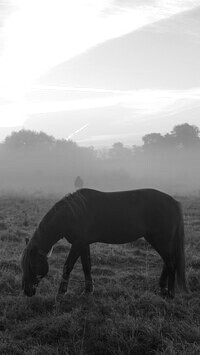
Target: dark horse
{"type": "Point", "coordinates": [88, 216]}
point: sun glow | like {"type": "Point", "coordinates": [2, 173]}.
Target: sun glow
{"type": "Point", "coordinates": [43, 33]}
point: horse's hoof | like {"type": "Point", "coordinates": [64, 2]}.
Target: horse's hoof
{"type": "Point", "coordinates": [2, 327]}
{"type": "Point", "coordinates": [164, 292]}
{"type": "Point", "coordinates": [60, 297]}
{"type": "Point", "coordinates": [170, 295]}
{"type": "Point", "coordinates": [90, 298]}
{"type": "Point", "coordinates": [87, 294]}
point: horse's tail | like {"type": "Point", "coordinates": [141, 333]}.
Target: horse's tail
{"type": "Point", "coordinates": [180, 253]}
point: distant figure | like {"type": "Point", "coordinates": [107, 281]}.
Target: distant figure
{"type": "Point", "coordinates": [78, 183]}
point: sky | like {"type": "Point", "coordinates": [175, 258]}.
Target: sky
{"type": "Point", "coordinates": [99, 71]}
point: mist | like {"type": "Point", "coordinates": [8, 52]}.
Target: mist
{"type": "Point", "coordinates": [36, 163]}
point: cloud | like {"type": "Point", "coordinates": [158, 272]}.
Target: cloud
{"type": "Point", "coordinates": [121, 116]}
{"type": "Point", "coordinates": [150, 8]}
{"type": "Point", "coordinates": [142, 102]}
{"type": "Point", "coordinates": [67, 28]}
{"type": "Point", "coordinates": [105, 139]}
{"type": "Point", "coordinates": [148, 102]}
{"type": "Point", "coordinates": [177, 25]}
{"type": "Point", "coordinates": [131, 3]}
{"type": "Point", "coordinates": [6, 8]}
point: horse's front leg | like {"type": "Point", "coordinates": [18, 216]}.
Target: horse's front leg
{"type": "Point", "coordinates": [74, 254]}
{"type": "Point", "coordinates": [86, 264]}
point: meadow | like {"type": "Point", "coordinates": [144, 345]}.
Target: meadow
{"type": "Point", "coordinates": [127, 315]}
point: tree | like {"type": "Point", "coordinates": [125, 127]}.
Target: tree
{"type": "Point", "coordinates": [152, 138]}
{"type": "Point", "coordinates": [119, 151]}
{"type": "Point", "coordinates": [28, 139]}
{"type": "Point", "coordinates": [185, 135]}
{"type": "Point", "coordinates": [153, 142]}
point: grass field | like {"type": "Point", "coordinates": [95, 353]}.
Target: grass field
{"type": "Point", "coordinates": [126, 316]}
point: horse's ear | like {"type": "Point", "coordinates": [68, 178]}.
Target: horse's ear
{"type": "Point", "coordinates": [26, 240]}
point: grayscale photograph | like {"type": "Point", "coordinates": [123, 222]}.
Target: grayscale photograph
{"type": "Point", "coordinates": [99, 177]}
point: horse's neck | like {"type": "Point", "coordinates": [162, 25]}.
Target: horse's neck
{"type": "Point", "coordinates": [47, 234]}
{"type": "Point", "coordinates": [45, 241]}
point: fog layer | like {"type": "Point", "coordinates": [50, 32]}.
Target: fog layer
{"type": "Point", "coordinates": [37, 163]}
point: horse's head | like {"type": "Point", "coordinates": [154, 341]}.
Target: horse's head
{"type": "Point", "coordinates": [34, 267]}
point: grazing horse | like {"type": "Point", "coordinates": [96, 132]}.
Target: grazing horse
{"type": "Point", "coordinates": [88, 216]}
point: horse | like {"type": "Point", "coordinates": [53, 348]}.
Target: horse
{"type": "Point", "coordinates": [89, 216]}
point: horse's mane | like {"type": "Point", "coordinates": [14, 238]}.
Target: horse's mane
{"type": "Point", "coordinates": [25, 258]}
{"type": "Point", "coordinates": [75, 202]}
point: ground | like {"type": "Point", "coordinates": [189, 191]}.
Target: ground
{"type": "Point", "coordinates": [127, 315]}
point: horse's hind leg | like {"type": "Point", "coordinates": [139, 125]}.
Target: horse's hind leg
{"type": "Point", "coordinates": [163, 280]}
{"type": "Point", "coordinates": [167, 278]}
{"type": "Point", "coordinates": [86, 264]}
{"type": "Point", "coordinates": [171, 279]}
{"type": "Point", "coordinates": [168, 272]}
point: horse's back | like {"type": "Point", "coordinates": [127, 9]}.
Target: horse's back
{"type": "Point", "coordinates": [127, 215]}
{"type": "Point", "coordinates": [139, 199]}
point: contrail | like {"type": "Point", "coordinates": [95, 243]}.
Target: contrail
{"type": "Point", "coordinates": [78, 130]}
{"type": "Point", "coordinates": [81, 89]}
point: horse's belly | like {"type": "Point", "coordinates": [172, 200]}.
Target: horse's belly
{"type": "Point", "coordinates": [111, 240]}
{"type": "Point", "coordinates": [120, 237]}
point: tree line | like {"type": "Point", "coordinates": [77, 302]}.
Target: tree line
{"type": "Point", "coordinates": [182, 137]}
{"type": "Point", "coordinates": [36, 161]}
